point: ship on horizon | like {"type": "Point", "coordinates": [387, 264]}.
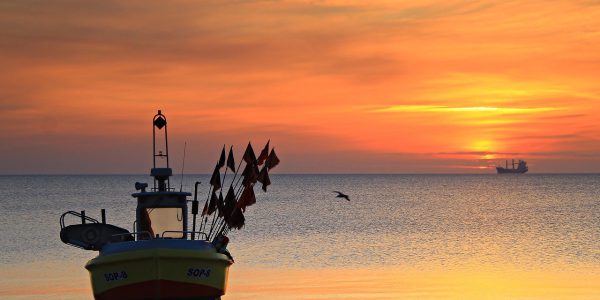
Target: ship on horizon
{"type": "Point", "coordinates": [520, 169]}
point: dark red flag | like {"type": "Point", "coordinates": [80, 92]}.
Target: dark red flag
{"type": "Point", "coordinates": [230, 161]}
{"type": "Point", "coordinates": [250, 174]}
{"type": "Point", "coordinates": [264, 154]}
{"type": "Point", "coordinates": [229, 203]}
{"type": "Point", "coordinates": [215, 180]}
{"type": "Point", "coordinates": [263, 178]}
{"type": "Point", "coordinates": [212, 206]}
{"type": "Point", "coordinates": [249, 156]}
{"type": "Point", "coordinates": [222, 158]}
{"type": "Point", "coordinates": [247, 198]}
{"type": "Point", "coordinates": [220, 204]}
{"type": "Point", "coordinates": [273, 160]}
{"type": "Point", "coordinates": [205, 209]}
{"type": "Point", "coordinates": [237, 219]}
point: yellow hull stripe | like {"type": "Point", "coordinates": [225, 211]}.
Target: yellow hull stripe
{"type": "Point", "coordinates": [205, 268]}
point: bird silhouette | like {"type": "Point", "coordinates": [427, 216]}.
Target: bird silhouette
{"type": "Point", "coordinates": [342, 195]}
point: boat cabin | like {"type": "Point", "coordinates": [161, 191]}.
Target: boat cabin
{"type": "Point", "coordinates": [162, 213]}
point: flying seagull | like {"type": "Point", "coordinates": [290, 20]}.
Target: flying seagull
{"type": "Point", "coordinates": [342, 195]}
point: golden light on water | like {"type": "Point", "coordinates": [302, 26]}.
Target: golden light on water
{"type": "Point", "coordinates": [365, 283]}
{"type": "Point", "coordinates": [409, 283]}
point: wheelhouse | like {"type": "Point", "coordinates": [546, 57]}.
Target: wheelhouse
{"type": "Point", "coordinates": [162, 214]}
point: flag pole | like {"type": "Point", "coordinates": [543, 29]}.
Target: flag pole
{"type": "Point", "coordinates": [223, 226]}
{"type": "Point", "coordinates": [215, 215]}
{"type": "Point", "coordinates": [212, 224]}
{"type": "Point", "coordinates": [240, 185]}
{"type": "Point", "coordinates": [221, 163]}
{"type": "Point", "coordinates": [217, 224]}
{"type": "Point", "coordinates": [236, 172]}
{"type": "Point", "coordinates": [222, 222]}
{"type": "Point", "coordinates": [210, 189]}
{"type": "Point", "coordinates": [232, 184]}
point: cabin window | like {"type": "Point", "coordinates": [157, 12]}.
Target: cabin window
{"type": "Point", "coordinates": [160, 219]}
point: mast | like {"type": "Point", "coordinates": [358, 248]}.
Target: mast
{"type": "Point", "coordinates": [161, 174]}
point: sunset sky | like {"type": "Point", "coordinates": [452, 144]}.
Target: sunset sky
{"type": "Point", "coordinates": [337, 86]}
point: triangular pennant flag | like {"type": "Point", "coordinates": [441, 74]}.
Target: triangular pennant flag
{"type": "Point", "coordinates": [221, 205]}
{"type": "Point", "coordinates": [249, 156]}
{"type": "Point", "coordinates": [247, 170]}
{"type": "Point", "coordinates": [222, 158]}
{"type": "Point", "coordinates": [264, 154]}
{"type": "Point", "coordinates": [230, 160]}
{"type": "Point", "coordinates": [273, 160]}
{"type": "Point", "coordinates": [229, 203]}
{"type": "Point", "coordinates": [250, 174]}
{"type": "Point", "coordinates": [255, 173]}
{"type": "Point", "coordinates": [205, 209]}
{"type": "Point", "coordinates": [215, 180]}
{"type": "Point", "coordinates": [237, 219]}
{"type": "Point", "coordinates": [263, 178]}
{"type": "Point", "coordinates": [247, 198]}
{"type": "Point", "coordinates": [212, 206]}
{"type": "Point", "coordinates": [263, 174]}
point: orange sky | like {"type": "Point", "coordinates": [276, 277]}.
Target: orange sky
{"type": "Point", "coordinates": [338, 86]}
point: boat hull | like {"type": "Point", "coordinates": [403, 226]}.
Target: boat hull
{"type": "Point", "coordinates": [501, 170]}
{"type": "Point", "coordinates": [156, 271]}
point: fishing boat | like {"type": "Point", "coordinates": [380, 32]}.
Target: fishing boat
{"type": "Point", "coordinates": [162, 258]}
{"type": "Point", "coordinates": [520, 169]}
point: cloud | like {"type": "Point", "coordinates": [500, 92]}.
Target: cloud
{"type": "Point", "coordinates": [474, 109]}
{"type": "Point", "coordinates": [225, 37]}
{"type": "Point", "coordinates": [477, 153]}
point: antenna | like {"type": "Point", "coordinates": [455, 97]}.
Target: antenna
{"type": "Point", "coordinates": [182, 166]}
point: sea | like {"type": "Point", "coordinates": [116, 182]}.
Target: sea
{"type": "Point", "coordinates": [530, 236]}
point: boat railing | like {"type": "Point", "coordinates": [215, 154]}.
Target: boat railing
{"type": "Point", "coordinates": [186, 232]}
{"type": "Point", "coordinates": [81, 217]}
{"type": "Point", "coordinates": [169, 189]}
{"type": "Point", "coordinates": [135, 234]}
{"type": "Point", "coordinates": [145, 235]}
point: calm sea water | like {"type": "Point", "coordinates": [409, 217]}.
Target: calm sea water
{"type": "Point", "coordinates": [531, 222]}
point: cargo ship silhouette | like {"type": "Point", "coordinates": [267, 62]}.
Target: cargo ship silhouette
{"type": "Point", "coordinates": [520, 169]}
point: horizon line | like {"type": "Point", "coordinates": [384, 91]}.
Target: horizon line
{"type": "Point", "coordinates": [366, 173]}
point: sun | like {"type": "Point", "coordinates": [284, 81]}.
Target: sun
{"type": "Point", "coordinates": [482, 146]}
